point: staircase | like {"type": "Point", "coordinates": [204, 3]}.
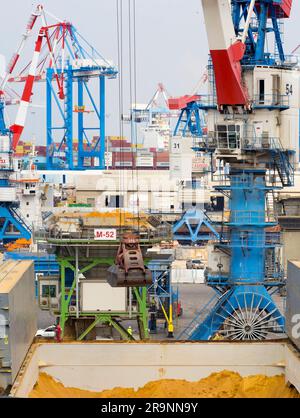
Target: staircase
{"type": "Point", "coordinates": [202, 315]}
{"type": "Point", "coordinates": [20, 220]}
{"type": "Point", "coordinates": [284, 167]}
{"type": "Point", "coordinates": [116, 323]}
{"type": "Point", "coordinates": [274, 270]}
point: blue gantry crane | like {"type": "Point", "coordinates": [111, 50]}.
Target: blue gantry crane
{"type": "Point", "coordinates": [64, 59]}
{"type": "Point", "coordinates": [192, 112]}
{"type": "Point", "coordinates": [83, 66]}
{"type": "Point", "coordinates": [255, 98]}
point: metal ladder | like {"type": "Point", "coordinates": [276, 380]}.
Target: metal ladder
{"type": "Point", "coordinates": [271, 215]}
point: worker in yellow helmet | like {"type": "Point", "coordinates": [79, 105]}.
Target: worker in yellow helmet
{"type": "Point", "coordinates": [129, 331]}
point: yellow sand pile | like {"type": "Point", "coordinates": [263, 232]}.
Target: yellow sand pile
{"type": "Point", "coordinates": [219, 385]}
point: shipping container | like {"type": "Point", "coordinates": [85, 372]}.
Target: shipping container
{"type": "Point", "coordinates": [123, 164]}
{"type": "Point", "coordinates": [18, 315]}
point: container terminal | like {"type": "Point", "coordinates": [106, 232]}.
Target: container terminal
{"type": "Point", "coordinates": [158, 258]}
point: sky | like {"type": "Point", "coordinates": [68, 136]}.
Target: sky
{"type": "Point", "coordinates": [171, 46]}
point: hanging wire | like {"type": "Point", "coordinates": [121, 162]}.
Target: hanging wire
{"type": "Point", "coordinates": [135, 100]}
{"type": "Point", "coordinates": [132, 113]}
{"type": "Point", "coordinates": [119, 7]}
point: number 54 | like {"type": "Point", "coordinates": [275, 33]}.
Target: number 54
{"type": "Point", "coordinates": [289, 89]}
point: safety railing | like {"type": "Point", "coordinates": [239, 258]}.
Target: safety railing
{"type": "Point", "coordinates": [88, 235]}
{"type": "Point", "coordinates": [271, 278]}
{"type": "Point", "coordinates": [244, 217]}
{"type": "Point", "coordinates": [208, 101]}
{"type": "Point", "coordinates": [263, 142]}
{"type": "Point", "coordinates": [198, 319]}
{"type": "Point", "coordinates": [274, 271]}
{"type": "Point", "coordinates": [250, 239]}
{"type": "Point", "coordinates": [271, 100]}
{"type": "Point", "coordinates": [235, 141]}
{"type": "Point", "coordinates": [241, 182]}
{"type": "Point", "coordinates": [272, 60]}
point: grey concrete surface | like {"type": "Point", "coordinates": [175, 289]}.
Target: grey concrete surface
{"type": "Point", "coordinates": [193, 298]}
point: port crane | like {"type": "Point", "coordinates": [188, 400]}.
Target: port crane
{"type": "Point", "coordinates": [253, 100]}
{"type": "Point", "coordinates": [158, 107]}
{"type": "Point", "coordinates": [191, 120]}
{"type": "Point", "coordinates": [12, 226]}
{"type": "Point", "coordinates": [62, 58]}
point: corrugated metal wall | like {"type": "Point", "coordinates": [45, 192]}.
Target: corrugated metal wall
{"type": "Point", "coordinates": [18, 310]}
{"type": "Point", "coordinates": [293, 302]}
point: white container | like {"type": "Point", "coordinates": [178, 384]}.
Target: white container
{"type": "Point", "coordinates": [8, 194]}
{"type": "Point", "coordinates": [101, 297]}
{"type": "Point", "coordinates": [144, 161]}
{"type": "Point", "coordinates": [189, 276]}
{"type": "Point", "coordinates": [102, 366]}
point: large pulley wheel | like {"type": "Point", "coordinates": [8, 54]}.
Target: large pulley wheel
{"type": "Point", "coordinates": [248, 317]}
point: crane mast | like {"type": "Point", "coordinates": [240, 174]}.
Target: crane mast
{"type": "Point", "coordinates": [253, 129]}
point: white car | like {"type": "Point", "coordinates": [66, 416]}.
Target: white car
{"type": "Point", "coordinates": [49, 332]}
{"type": "Point", "coordinates": [195, 264]}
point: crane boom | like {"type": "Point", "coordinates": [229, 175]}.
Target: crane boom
{"type": "Point", "coordinates": [226, 52]}
{"type": "Point", "coordinates": [16, 56]}
{"type": "Point", "coordinates": [18, 127]}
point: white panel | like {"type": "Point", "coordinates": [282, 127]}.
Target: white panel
{"type": "Point", "coordinates": [8, 194]}
{"type": "Point", "coordinates": [181, 167]}
{"type": "Point", "coordinates": [181, 145]}
{"type": "Point", "coordinates": [219, 26]}
{"type": "Point", "coordinates": [190, 276]}
{"type": "Point", "coordinates": [101, 297]}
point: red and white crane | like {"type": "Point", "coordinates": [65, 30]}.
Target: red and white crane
{"type": "Point", "coordinates": [50, 43]}
{"type": "Point", "coordinates": [226, 51]}
{"type": "Point", "coordinates": [44, 34]}
{"type": "Point", "coordinates": [179, 103]}
{"type": "Point", "coordinates": [15, 58]}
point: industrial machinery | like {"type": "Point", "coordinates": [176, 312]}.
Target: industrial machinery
{"type": "Point", "coordinates": [192, 112]}
{"type": "Point", "coordinates": [157, 108]}
{"type": "Point", "coordinates": [164, 301]}
{"type": "Point", "coordinates": [63, 56]}
{"type": "Point", "coordinates": [253, 128]}
{"type": "Point", "coordinates": [194, 227]}
{"type": "Point", "coordinates": [12, 226]}
{"type": "Point", "coordinates": [129, 270]}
